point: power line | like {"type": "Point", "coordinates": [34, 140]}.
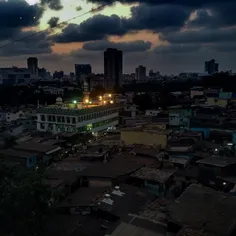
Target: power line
{"type": "Point", "coordinates": [100, 7]}
{"type": "Point", "coordinates": [58, 24]}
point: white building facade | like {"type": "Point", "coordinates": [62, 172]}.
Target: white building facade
{"type": "Point", "coordinates": [86, 120]}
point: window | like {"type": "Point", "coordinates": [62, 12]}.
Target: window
{"type": "Point", "coordinates": [68, 120]}
{"type": "Point", "coordinates": [42, 117]}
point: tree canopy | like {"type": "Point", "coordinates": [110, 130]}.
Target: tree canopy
{"type": "Point", "coordinates": [24, 200]}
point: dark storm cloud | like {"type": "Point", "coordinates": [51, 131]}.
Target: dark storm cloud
{"type": "Point", "coordinates": [32, 45]}
{"type": "Point", "coordinates": [53, 21]}
{"type": "Point", "coordinates": [201, 36]}
{"type": "Point", "coordinates": [221, 15]}
{"type": "Point", "coordinates": [53, 4]}
{"type": "Point", "coordinates": [176, 48]}
{"type": "Point", "coordinates": [192, 3]}
{"type": "Point", "coordinates": [17, 14]}
{"type": "Point", "coordinates": [134, 46]}
{"type": "Point", "coordinates": [156, 18]}
{"type": "Point", "coordinates": [222, 11]}
{"type": "Point", "coordinates": [95, 28]}
{"type": "Point", "coordinates": [223, 47]}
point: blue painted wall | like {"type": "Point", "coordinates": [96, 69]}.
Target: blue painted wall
{"type": "Point", "coordinates": [206, 131]}
{"type": "Point", "coordinates": [31, 162]}
{"type": "Point", "coordinates": [225, 95]}
{"type": "Point", "coordinates": [187, 112]}
{"type": "Point", "coordinates": [234, 138]}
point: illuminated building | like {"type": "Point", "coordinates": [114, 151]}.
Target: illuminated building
{"type": "Point", "coordinates": [76, 117]}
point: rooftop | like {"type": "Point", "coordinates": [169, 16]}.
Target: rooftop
{"type": "Point", "coordinates": [155, 210]}
{"type": "Point", "coordinates": [83, 197]}
{"type": "Point", "coordinates": [143, 150]}
{"type": "Point", "coordinates": [74, 225]}
{"type": "Point", "coordinates": [147, 129]}
{"type": "Point", "coordinates": [70, 164]}
{"type": "Point", "coordinates": [125, 229]}
{"type": "Point", "coordinates": [73, 111]}
{"type": "Point", "coordinates": [36, 147]}
{"type": "Point", "coordinates": [204, 208]}
{"type": "Point", "coordinates": [128, 200]}
{"type": "Point", "coordinates": [120, 165]}
{"type": "Point", "coordinates": [192, 232]}
{"type": "Point", "coordinates": [17, 153]}
{"type": "Point", "coordinates": [219, 161]}
{"type": "Point", "coordinates": [153, 174]}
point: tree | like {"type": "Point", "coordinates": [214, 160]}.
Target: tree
{"type": "Point", "coordinates": [144, 101]}
{"type": "Point", "coordinates": [24, 200]}
{"type": "Point", "coordinates": [9, 141]}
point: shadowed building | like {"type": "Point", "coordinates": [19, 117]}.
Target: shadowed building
{"type": "Point", "coordinates": [113, 68]}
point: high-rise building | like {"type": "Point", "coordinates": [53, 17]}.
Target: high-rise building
{"type": "Point", "coordinates": [113, 68]}
{"type": "Point", "coordinates": [140, 73]}
{"type": "Point", "coordinates": [211, 67]}
{"type": "Point", "coordinates": [82, 70]}
{"type": "Point", "coordinates": [58, 74]}
{"type": "Point", "coordinates": [32, 65]}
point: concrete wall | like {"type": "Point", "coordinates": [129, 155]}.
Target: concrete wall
{"type": "Point", "coordinates": [174, 119]}
{"type": "Point", "coordinates": [144, 137]}
{"type": "Point", "coordinates": [205, 131]}
{"type": "Point", "coordinates": [99, 182]}
{"type": "Point", "coordinates": [152, 112]}
{"type": "Point", "coordinates": [217, 102]}
{"type": "Point", "coordinates": [225, 95]}
{"type": "Point", "coordinates": [194, 93]}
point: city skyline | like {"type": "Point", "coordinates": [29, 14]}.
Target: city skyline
{"type": "Point", "coordinates": [169, 36]}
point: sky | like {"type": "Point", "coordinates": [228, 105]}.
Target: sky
{"type": "Point", "coordinates": [170, 36]}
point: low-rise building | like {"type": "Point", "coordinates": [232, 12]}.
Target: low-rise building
{"type": "Point", "coordinates": [26, 159]}
{"type": "Point", "coordinates": [45, 152]}
{"type": "Point", "coordinates": [212, 101]}
{"type": "Point", "coordinates": [157, 181]}
{"type": "Point", "coordinates": [57, 119]}
{"type": "Point", "coordinates": [202, 208]}
{"type": "Point", "coordinates": [196, 91]}
{"type": "Point", "coordinates": [150, 136]}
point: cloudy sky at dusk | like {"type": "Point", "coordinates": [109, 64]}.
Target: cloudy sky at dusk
{"type": "Point", "coordinates": [171, 36]}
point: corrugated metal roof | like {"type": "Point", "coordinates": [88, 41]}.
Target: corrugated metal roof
{"type": "Point", "coordinates": [130, 230]}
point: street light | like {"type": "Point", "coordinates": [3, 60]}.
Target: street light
{"type": "Point", "coordinates": [74, 101]}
